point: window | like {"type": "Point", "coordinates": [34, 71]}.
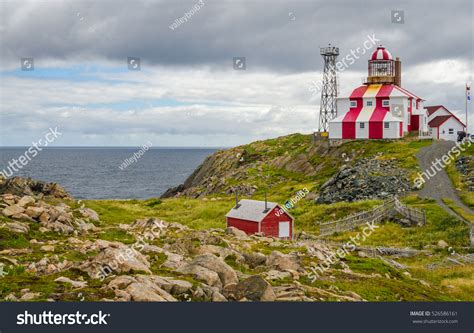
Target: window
{"type": "Point", "coordinates": [385, 102]}
{"type": "Point", "coordinates": [369, 103]}
{"type": "Point", "coordinates": [362, 125]}
{"type": "Point", "coordinates": [386, 125]}
{"type": "Point", "coordinates": [431, 130]}
{"type": "Point", "coordinates": [451, 131]}
{"type": "Point", "coordinates": [353, 104]}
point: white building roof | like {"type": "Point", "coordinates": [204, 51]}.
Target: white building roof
{"type": "Point", "coordinates": [251, 210]}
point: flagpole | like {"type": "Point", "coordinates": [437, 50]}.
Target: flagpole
{"type": "Point", "coordinates": [468, 97]}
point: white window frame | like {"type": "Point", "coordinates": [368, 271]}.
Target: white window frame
{"type": "Point", "coordinates": [385, 102]}
{"type": "Point", "coordinates": [367, 103]}
{"type": "Point", "coordinates": [353, 104]}
{"type": "Point", "coordinates": [386, 125]}
{"type": "Point", "coordinates": [362, 125]}
{"type": "Point", "coordinates": [450, 130]}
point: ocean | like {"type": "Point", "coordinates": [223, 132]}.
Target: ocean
{"type": "Point", "coordinates": [102, 173]}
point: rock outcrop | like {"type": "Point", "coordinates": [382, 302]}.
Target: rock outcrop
{"type": "Point", "coordinates": [367, 179]}
{"type": "Point", "coordinates": [26, 186]}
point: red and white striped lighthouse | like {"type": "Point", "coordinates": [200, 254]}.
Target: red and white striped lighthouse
{"type": "Point", "coordinates": [380, 108]}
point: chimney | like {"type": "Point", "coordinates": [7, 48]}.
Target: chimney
{"type": "Point", "coordinates": [266, 204]}
{"type": "Point", "coordinates": [398, 72]}
{"type": "Point", "coordinates": [236, 200]}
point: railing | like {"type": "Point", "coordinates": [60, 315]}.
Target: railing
{"type": "Point", "coordinates": [374, 215]}
{"type": "Point", "coordinates": [413, 214]}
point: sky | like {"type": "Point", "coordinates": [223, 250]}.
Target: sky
{"type": "Point", "coordinates": [187, 92]}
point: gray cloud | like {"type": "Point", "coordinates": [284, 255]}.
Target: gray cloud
{"type": "Point", "coordinates": [262, 31]}
{"type": "Point", "coordinates": [193, 63]}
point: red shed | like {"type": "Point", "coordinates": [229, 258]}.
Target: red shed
{"type": "Point", "coordinates": [254, 216]}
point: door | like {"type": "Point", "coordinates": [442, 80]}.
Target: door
{"type": "Point", "coordinates": [284, 229]}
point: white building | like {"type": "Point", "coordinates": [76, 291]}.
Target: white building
{"type": "Point", "coordinates": [443, 124]}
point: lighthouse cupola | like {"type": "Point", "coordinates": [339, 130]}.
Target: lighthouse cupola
{"type": "Point", "coordinates": [383, 69]}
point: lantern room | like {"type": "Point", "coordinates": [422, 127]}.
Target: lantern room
{"type": "Point", "coordinates": [383, 69]}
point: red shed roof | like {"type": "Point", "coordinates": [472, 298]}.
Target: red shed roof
{"type": "Point", "coordinates": [434, 108]}
{"type": "Point", "coordinates": [438, 121]}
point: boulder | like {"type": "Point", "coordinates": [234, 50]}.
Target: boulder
{"type": "Point", "coordinates": [12, 210]}
{"type": "Point", "coordinates": [29, 296]}
{"type": "Point", "coordinates": [120, 260]}
{"type": "Point", "coordinates": [254, 259]}
{"type": "Point", "coordinates": [26, 201]}
{"type": "Point", "coordinates": [89, 214]}
{"type": "Point", "coordinates": [44, 217]}
{"type": "Point", "coordinates": [34, 212]}
{"type": "Point", "coordinates": [442, 244]}
{"type": "Point", "coordinates": [280, 261]}
{"type": "Point", "coordinates": [75, 284]}
{"type": "Point", "coordinates": [47, 248]}
{"type": "Point", "coordinates": [201, 273]}
{"type": "Point", "coordinates": [211, 262]}
{"type": "Point", "coordinates": [145, 292]}
{"type": "Point", "coordinates": [236, 232]}
{"type": "Point", "coordinates": [255, 288]}
{"type": "Point", "coordinates": [19, 227]}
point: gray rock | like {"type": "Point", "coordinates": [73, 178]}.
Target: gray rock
{"type": "Point", "coordinates": [255, 288]}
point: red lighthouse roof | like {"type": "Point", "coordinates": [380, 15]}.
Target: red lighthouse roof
{"type": "Point", "coordinates": [381, 54]}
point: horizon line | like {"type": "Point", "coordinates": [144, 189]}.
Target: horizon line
{"type": "Point", "coordinates": [153, 147]}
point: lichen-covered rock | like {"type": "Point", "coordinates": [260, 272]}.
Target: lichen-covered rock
{"type": "Point", "coordinates": [254, 288]}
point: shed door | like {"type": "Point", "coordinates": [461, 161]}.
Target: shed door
{"type": "Point", "coordinates": [284, 229]}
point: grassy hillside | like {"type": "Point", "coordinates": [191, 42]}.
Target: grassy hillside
{"type": "Point", "coordinates": [459, 180]}
{"type": "Point", "coordinates": [280, 167]}
{"type": "Point", "coordinates": [284, 165]}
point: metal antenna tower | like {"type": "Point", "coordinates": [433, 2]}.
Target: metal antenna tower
{"type": "Point", "coordinates": [328, 109]}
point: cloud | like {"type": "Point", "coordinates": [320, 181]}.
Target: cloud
{"type": "Point", "coordinates": [187, 92]}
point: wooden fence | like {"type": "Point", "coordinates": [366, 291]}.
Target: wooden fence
{"type": "Point", "coordinates": [374, 215]}
{"type": "Point", "coordinates": [413, 214]}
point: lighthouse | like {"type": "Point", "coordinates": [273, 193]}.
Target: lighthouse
{"type": "Point", "coordinates": [380, 108]}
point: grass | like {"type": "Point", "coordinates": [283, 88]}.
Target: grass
{"type": "Point", "coordinates": [459, 180]}
{"type": "Point", "coordinates": [439, 226]}
{"type": "Point", "coordinates": [458, 210]}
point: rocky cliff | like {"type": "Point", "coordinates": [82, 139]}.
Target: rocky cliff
{"type": "Point", "coordinates": [353, 171]}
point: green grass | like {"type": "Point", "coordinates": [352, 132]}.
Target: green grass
{"type": "Point", "coordinates": [459, 180]}
{"type": "Point", "coordinates": [439, 226]}
{"type": "Point", "coordinates": [458, 210]}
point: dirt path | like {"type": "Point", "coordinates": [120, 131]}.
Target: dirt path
{"type": "Point", "coordinates": [440, 186]}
